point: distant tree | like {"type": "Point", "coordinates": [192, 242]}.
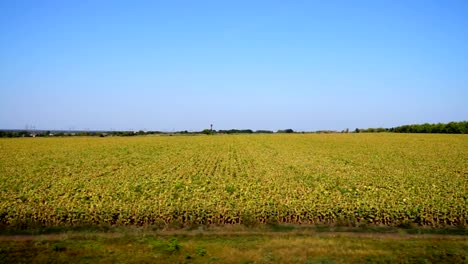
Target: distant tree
{"type": "Point", "coordinates": [207, 132]}
{"type": "Point", "coordinates": [289, 130]}
{"type": "Point", "coordinates": [236, 131]}
{"type": "Point", "coordinates": [264, 131]}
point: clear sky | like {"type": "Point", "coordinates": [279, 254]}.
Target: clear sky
{"type": "Point", "coordinates": [182, 65]}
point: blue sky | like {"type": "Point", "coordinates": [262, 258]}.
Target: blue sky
{"type": "Point", "coordinates": [177, 65]}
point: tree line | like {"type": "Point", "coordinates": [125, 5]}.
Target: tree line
{"type": "Point", "coordinates": [448, 128]}
{"type": "Point", "coordinates": [40, 133]}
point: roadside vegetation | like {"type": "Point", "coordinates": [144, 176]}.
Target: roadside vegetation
{"type": "Point", "coordinates": [269, 244]}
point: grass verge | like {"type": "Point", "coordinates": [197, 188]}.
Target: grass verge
{"type": "Point", "coordinates": [232, 244]}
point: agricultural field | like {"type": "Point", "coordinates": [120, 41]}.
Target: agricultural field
{"type": "Point", "coordinates": [181, 181]}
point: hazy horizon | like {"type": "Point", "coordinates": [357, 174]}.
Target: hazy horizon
{"type": "Point", "coordinates": [183, 65]}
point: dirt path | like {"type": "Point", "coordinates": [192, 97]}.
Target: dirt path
{"type": "Point", "coordinates": [110, 235]}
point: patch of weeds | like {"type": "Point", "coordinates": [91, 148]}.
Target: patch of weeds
{"type": "Point", "coordinates": [155, 243]}
{"type": "Point", "coordinates": [172, 246]}
{"type": "Point", "coordinates": [59, 247]}
{"type": "Point", "coordinates": [200, 251]}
